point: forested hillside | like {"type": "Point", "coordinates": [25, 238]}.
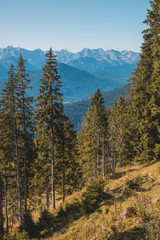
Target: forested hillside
{"type": "Point", "coordinates": [76, 111]}
{"type": "Point", "coordinates": [105, 177]}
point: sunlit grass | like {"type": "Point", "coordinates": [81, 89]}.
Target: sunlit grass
{"type": "Point", "coordinates": [101, 224]}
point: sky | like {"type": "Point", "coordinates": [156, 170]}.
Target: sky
{"type": "Point", "coordinates": [73, 24]}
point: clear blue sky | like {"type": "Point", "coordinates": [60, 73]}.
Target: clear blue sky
{"type": "Point", "coordinates": [72, 24]}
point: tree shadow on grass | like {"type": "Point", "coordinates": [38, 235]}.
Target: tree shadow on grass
{"type": "Point", "coordinates": [136, 233]}
{"type": "Point", "coordinates": [118, 175]}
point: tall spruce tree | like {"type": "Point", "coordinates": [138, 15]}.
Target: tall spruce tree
{"type": "Point", "coordinates": [40, 184]}
{"type": "Point", "coordinates": [1, 212]}
{"type": "Point", "coordinates": [16, 134]}
{"type": "Point", "coordinates": [145, 89]}
{"type": "Point", "coordinates": [92, 138]}
{"type": "Point", "coordinates": [66, 159]}
{"type": "Point", "coordinates": [25, 111]}
{"type": "Point", "coordinates": [121, 132]}
{"type": "Point", "coordinates": [49, 110]}
{"type": "Point", "coordinates": [9, 136]}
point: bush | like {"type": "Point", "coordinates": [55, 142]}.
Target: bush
{"type": "Point", "coordinates": [105, 209]}
{"type": "Point", "coordinates": [68, 210]}
{"type": "Point", "coordinates": [28, 226]}
{"type": "Point", "coordinates": [61, 212]}
{"type": "Point", "coordinates": [8, 236]}
{"type": "Point", "coordinates": [93, 196]}
{"type": "Point", "coordinates": [135, 183]}
{"type": "Point", "coordinates": [22, 235]}
{"type": "Point", "coordinates": [72, 208]}
{"type": "Point", "coordinates": [144, 207]}
{"type": "Point", "coordinates": [46, 223]}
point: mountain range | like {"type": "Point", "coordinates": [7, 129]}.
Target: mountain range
{"type": "Point", "coordinates": [81, 73]}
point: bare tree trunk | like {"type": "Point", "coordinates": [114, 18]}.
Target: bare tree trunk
{"type": "Point", "coordinates": [103, 159]}
{"type": "Point", "coordinates": [47, 195]}
{"type": "Point", "coordinates": [19, 195]}
{"type": "Point", "coordinates": [63, 183]}
{"type": "Point", "coordinates": [52, 172]}
{"type": "Point", "coordinates": [6, 202]}
{"type": "Point", "coordinates": [114, 164]}
{"type": "Point", "coordinates": [25, 180]}
{"type": "Point", "coordinates": [25, 156]}
{"type": "Point", "coordinates": [18, 181]}
{"type": "Point", "coordinates": [1, 212]}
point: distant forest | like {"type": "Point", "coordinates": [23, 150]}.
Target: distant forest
{"type": "Point", "coordinates": [76, 111]}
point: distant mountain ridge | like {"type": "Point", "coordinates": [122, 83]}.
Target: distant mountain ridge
{"type": "Point", "coordinates": [111, 56]}
{"type": "Point", "coordinates": [81, 73]}
{"type": "Point", "coordinates": [36, 57]}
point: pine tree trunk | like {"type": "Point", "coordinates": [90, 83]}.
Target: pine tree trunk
{"type": "Point", "coordinates": [25, 180]}
{"type": "Point", "coordinates": [98, 160]}
{"type": "Point", "coordinates": [47, 195]}
{"type": "Point", "coordinates": [52, 152]}
{"type": "Point", "coordinates": [63, 183]}
{"type": "Point", "coordinates": [112, 160]}
{"type": "Point", "coordinates": [25, 157]}
{"type": "Point", "coordinates": [103, 159]}
{"type": "Point", "coordinates": [19, 194]}
{"type": "Point", "coordinates": [52, 172]}
{"type": "Point", "coordinates": [121, 141]}
{"type": "Point", "coordinates": [18, 181]}
{"type": "Point", "coordinates": [1, 212]}
{"type": "Point", "coordinates": [6, 202]}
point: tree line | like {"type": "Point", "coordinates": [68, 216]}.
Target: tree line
{"type": "Point", "coordinates": [41, 154]}
{"type": "Point", "coordinates": [37, 143]}
{"type": "Point", "coordinates": [130, 130]}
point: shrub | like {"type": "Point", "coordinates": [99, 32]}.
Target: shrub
{"type": "Point", "coordinates": [143, 205]}
{"type": "Point", "coordinates": [22, 235]}
{"type": "Point", "coordinates": [135, 183]}
{"type": "Point", "coordinates": [71, 208]}
{"type": "Point", "coordinates": [93, 196]}
{"type": "Point", "coordinates": [46, 223]}
{"type": "Point", "coordinates": [105, 209]}
{"type": "Point", "coordinates": [61, 212]}
{"type": "Point", "coordinates": [28, 226]}
{"type": "Point", "coordinates": [68, 211]}
{"type": "Point", "coordinates": [8, 236]}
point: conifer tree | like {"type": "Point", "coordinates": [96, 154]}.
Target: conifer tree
{"type": "Point", "coordinates": [49, 109]}
{"type": "Point", "coordinates": [41, 182]}
{"type": "Point", "coordinates": [92, 138]}
{"type": "Point", "coordinates": [16, 134]}
{"type": "Point", "coordinates": [66, 159]}
{"type": "Point", "coordinates": [121, 132]}
{"type": "Point", "coordinates": [145, 89]}
{"type": "Point", "coordinates": [26, 122]}
{"type": "Point", "coordinates": [71, 165]}
{"type": "Point", "coordinates": [1, 212]}
{"type": "Point", "coordinates": [9, 137]}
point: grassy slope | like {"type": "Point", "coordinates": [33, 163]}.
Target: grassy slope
{"type": "Point", "coordinates": [100, 225]}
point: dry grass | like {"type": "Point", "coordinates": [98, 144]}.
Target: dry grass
{"type": "Point", "coordinates": [100, 224]}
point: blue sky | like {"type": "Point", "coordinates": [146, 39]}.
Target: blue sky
{"type": "Point", "coordinates": [72, 24]}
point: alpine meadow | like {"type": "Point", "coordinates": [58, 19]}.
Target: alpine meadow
{"type": "Point", "coordinates": [80, 141]}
